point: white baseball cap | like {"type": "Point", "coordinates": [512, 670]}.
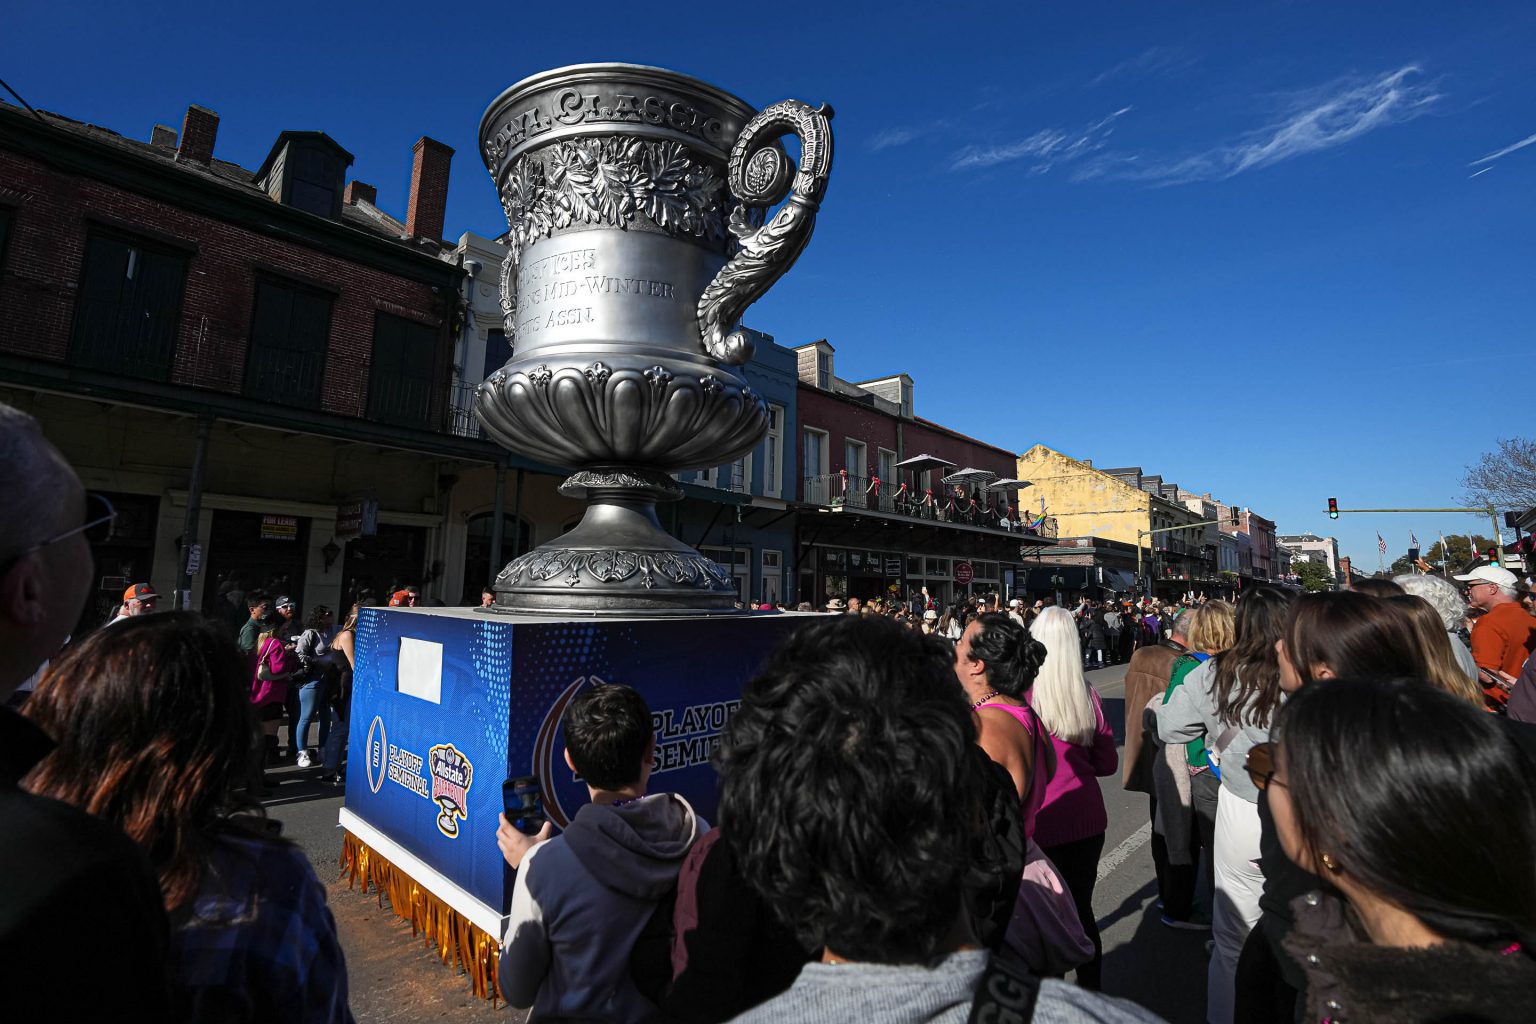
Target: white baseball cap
{"type": "Point", "coordinates": [930, 615]}
{"type": "Point", "coordinates": [1491, 574]}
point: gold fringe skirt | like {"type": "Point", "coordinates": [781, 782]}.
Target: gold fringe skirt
{"type": "Point", "coordinates": [458, 940]}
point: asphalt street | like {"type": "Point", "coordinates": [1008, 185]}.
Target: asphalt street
{"type": "Point", "coordinates": [398, 979]}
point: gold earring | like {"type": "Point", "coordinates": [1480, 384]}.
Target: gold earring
{"type": "Point", "coordinates": [1330, 863]}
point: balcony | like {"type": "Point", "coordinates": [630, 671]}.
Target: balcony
{"type": "Point", "coordinates": [461, 411]}
{"type": "Point", "coordinates": [125, 341]}
{"type": "Point", "coordinates": [833, 490]}
{"type": "Point", "coordinates": [401, 402]}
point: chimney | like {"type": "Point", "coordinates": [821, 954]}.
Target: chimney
{"type": "Point", "coordinates": [360, 190]}
{"type": "Point", "coordinates": [198, 130]}
{"type": "Point", "coordinates": [164, 136]}
{"type": "Point", "coordinates": [428, 204]}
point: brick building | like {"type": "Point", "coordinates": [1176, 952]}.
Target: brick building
{"type": "Point", "coordinates": [230, 354]}
{"type": "Point", "coordinates": [867, 527]}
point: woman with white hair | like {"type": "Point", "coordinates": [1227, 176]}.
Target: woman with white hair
{"type": "Point", "coordinates": [1070, 825]}
{"type": "Point", "coordinates": [1445, 599]}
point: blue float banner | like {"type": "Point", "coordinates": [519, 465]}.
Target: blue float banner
{"type": "Point", "coordinates": [447, 703]}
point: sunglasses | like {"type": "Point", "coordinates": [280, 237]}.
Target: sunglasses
{"type": "Point", "coordinates": [100, 517]}
{"type": "Point", "coordinates": [1261, 766]}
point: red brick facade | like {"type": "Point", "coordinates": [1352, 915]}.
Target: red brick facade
{"type": "Point", "coordinates": [848, 419]}
{"type": "Point", "coordinates": [52, 213]}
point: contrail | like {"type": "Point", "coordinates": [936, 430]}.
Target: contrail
{"type": "Point", "coordinates": [1527, 141]}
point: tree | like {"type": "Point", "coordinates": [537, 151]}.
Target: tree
{"type": "Point", "coordinates": [1314, 576]}
{"type": "Point", "coordinates": [1506, 478]}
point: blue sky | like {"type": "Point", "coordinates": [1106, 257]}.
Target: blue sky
{"type": "Point", "coordinates": [1275, 251]}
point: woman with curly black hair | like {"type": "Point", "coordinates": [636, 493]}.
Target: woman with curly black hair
{"type": "Point", "coordinates": [1419, 811]}
{"type": "Point", "coordinates": [849, 791]}
{"type": "Point", "coordinates": [996, 662]}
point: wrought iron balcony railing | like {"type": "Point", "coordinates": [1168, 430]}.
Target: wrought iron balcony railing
{"type": "Point", "coordinates": [835, 490]}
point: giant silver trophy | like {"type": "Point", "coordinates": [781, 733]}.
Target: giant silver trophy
{"type": "Point", "coordinates": [636, 199]}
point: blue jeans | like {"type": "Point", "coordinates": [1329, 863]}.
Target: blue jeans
{"type": "Point", "coordinates": [313, 698]}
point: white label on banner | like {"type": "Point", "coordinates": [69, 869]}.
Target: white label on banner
{"type": "Point", "coordinates": [419, 670]}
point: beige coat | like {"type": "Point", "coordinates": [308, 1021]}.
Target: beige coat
{"type": "Point", "coordinates": [1147, 674]}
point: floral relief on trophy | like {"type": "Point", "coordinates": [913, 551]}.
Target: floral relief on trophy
{"type": "Point", "coordinates": [611, 182]}
{"type": "Point", "coordinates": [613, 565]}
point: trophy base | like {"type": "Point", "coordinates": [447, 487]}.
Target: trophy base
{"type": "Point", "coordinates": [618, 560]}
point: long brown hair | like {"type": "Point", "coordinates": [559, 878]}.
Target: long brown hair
{"type": "Point", "coordinates": [1355, 635]}
{"type": "Point", "coordinates": [154, 729]}
{"type": "Point", "coordinates": [1260, 622]}
{"type": "Point", "coordinates": [1435, 644]}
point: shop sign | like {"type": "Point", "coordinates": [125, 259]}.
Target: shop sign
{"type": "Point", "coordinates": [964, 573]}
{"type": "Point", "coordinates": [279, 527]}
{"type": "Point", "coordinates": [893, 566]}
{"type": "Point", "coordinates": [358, 518]}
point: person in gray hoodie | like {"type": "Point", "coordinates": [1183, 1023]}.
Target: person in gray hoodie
{"type": "Point", "coordinates": [582, 899]}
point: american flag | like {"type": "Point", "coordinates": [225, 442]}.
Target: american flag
{"type": "Point", "coordinates": [1381, 543]}
{"type": "Point", "coordinates": [1413, 541]}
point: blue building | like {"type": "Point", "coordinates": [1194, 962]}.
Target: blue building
{"type": "Point", "coordinates": [740, 514]}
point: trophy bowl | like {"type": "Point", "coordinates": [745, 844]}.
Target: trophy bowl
{"type": "Point", "coordinates": [637, 201]}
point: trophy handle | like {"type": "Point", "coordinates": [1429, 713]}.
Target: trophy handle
{"type": "Point", "coordinates": [760, 175]}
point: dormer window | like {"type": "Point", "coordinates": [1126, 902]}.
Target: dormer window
{"type": "Point", "coordinates": [305, 170]}
{"type": "Point", "coordinates": [316, 183]}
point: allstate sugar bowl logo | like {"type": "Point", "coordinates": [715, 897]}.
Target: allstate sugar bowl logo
{"type": "Point", "coordinates": [451, 775]}
{"type": "Point", "coordinates": [443, 776]}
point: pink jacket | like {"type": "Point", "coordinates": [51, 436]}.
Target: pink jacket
{"type": "Point", "coordinates": [278, 661]}
{"type": "Point", "coordinates": [1074, 806]}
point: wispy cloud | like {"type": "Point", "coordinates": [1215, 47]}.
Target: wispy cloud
{"type": "Point", "coordinates": [1322, 119]}
{"type": "Point", "coordinates": [889, 137]}
{"type": "Point", "coordinates": [1149, 63]}
{"type": "Point", "coordinates": [1045, 148]}
{"type": "Point", "coordinates": [1529, 140]}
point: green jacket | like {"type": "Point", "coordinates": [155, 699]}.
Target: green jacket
{"type": "Point", "coordinates": [1194, 750]}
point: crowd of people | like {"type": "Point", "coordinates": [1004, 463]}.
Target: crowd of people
{"type": "Point", "coordinates": [910, 822]}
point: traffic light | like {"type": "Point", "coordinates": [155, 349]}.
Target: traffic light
{"type": "Point", "coordinates": [1333, 508]}
{"type": "Point", "coordinates": [1236, 515]}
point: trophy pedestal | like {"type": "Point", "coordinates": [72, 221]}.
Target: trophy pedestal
{"type": "Point", "coordinates": [618, 561]}
{"type": "Point", "coordinates": [448, 702]}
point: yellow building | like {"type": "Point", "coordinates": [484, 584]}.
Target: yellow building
{"type": "Point", "coordinates": [1116, 504]}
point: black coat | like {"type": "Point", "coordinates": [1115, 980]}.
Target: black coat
{"type": "Point", "coordinates": [1351, 981]}
{"type": "Point", "coordinates": [83, 930]}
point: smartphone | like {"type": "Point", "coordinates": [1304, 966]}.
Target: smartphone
{"type": "Point", "coordinates": [520, 798]}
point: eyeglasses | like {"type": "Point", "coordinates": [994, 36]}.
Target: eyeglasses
{"type": "Point", "coordinates": [1261, 766]}
{"type": "Point", "coordinates": [100, 517]}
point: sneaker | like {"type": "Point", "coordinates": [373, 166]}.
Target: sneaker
{"type": "Point", "coordinates": [303, 761]}
{"type": "Point", "coordinates": [1188, 926]}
